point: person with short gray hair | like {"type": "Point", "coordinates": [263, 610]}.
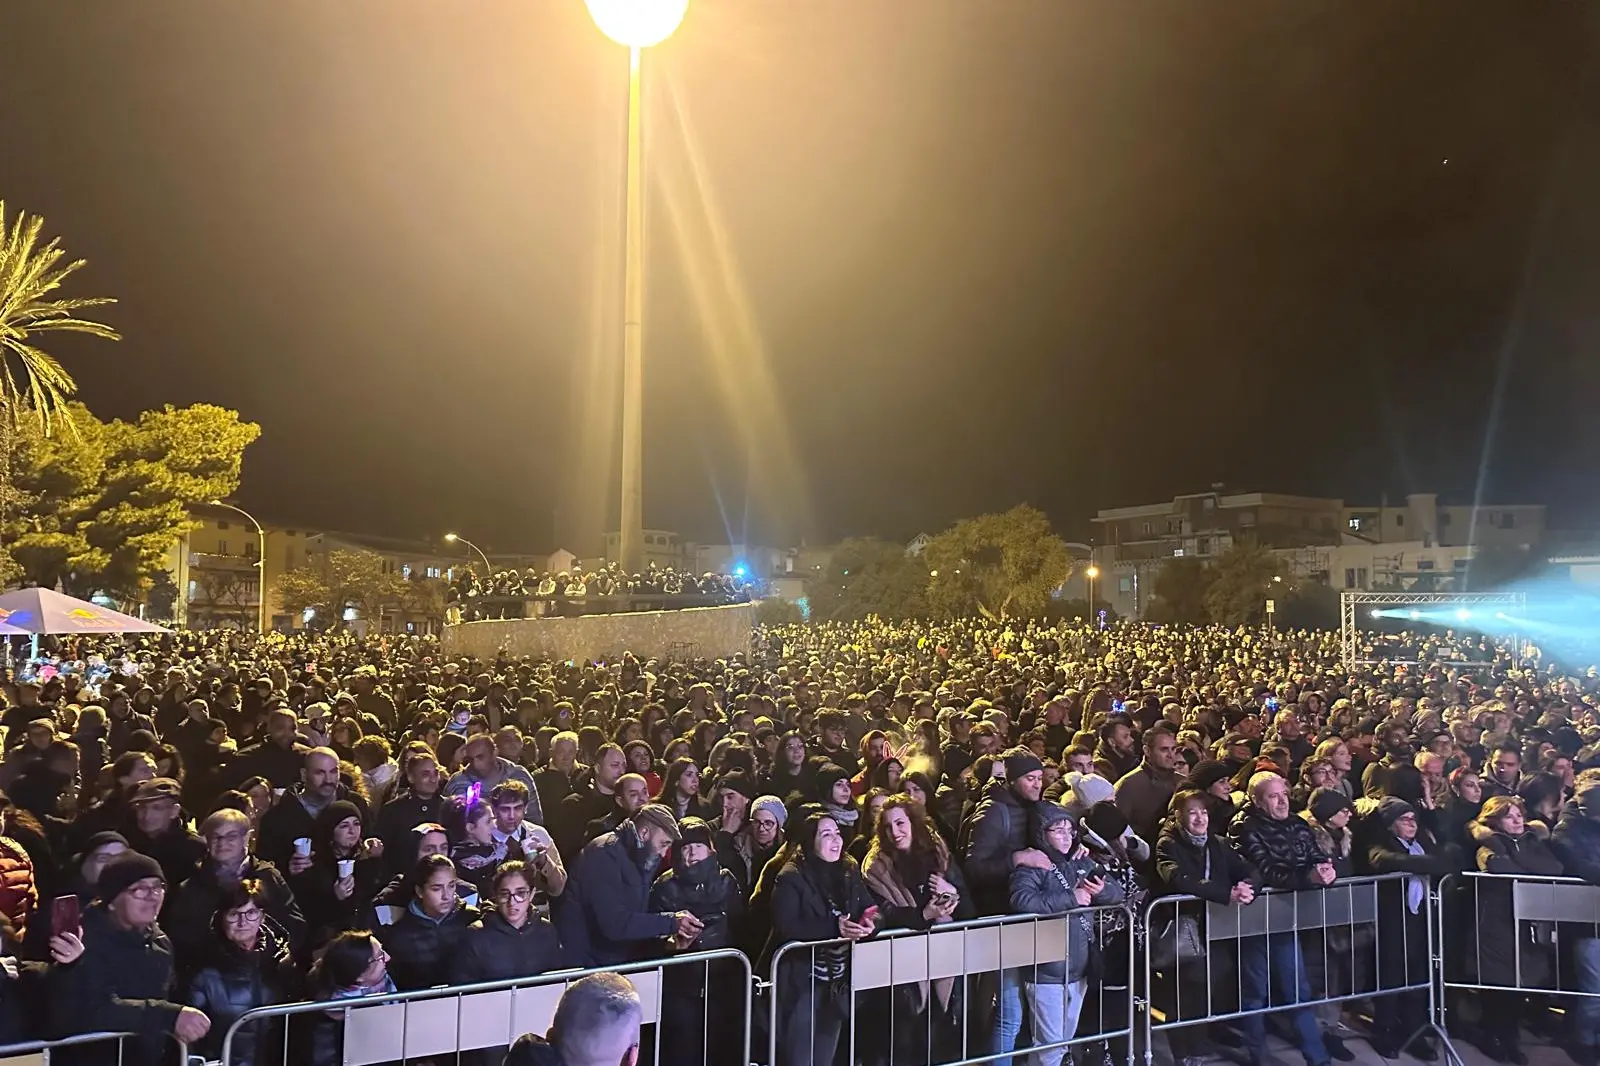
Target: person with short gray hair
{"type": "Point", "coordinates": [596, 1024]}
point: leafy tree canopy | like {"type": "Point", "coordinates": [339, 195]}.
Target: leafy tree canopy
{"type": "Point", "coordinates": [98, 509]}
{"type": "Point", "coordinates": [1180, 591]}
{"type": "Point", "coordinates": [865, 577]}
{"type": "Point", "coordinates": [1242, 582]}
{"type": "Point", "coordinates": [1000, 565]}
{"type": "Point", "coordinates": [341, 579]}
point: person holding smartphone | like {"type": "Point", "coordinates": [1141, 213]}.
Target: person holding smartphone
{"type": "Point", "coordinates": [818, 895]}
{"type": "Point", "coordinates": [698, 884]}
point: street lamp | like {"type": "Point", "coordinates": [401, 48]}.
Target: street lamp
{"type": "Point", "coordinates": [488, 571]}
{"type": "Point", "coordinates": [1090, 574]}
{"type": "Point", "coordinates": [636, 24]}
{"type": "Point", "coordinates": [261, 564]}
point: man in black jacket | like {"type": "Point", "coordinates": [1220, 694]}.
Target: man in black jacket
{"type": "Point", "coordinates": [1576, 842]}
{"type": "Point", "coordinates": [1000, 838]}
{"type": "Point", "coordinates": [123, 981]}
{"type": "Point", "coordinates": [605, 916]}
{"type": "Point", "coordinates": [279, 757]}
{"type": "Point", "coordinates": [581, 808]}
{"type": "Point", "coordinates": [1284, 851]}
{"type": "Point", "coordinates": [295, 815]}
{"type": "Point", "coordinates": [1397, 844]}
{"type": "Point", "coordinates": [158, 831]}
{"type": "Point", "coordinates": [421, 800]}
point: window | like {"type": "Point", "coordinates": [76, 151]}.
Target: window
{"type": "Point", "coordinates": [1460, 563]}
{"type": "Point", "coordinates": [1203, 546]}
{"type": "Point", "coordinates": [1208, 504]}
{"type": "Point", "coordinates": [1177, 553]}
{"type": "Point", "coordinates": [1247, 519]}
{"type": "Point", "coordinates": [222, 523]}
{"type": "Point", "coordinates": [1172, 525]}
{"type": "Point", "coordinates": [194, 588]}
{"type": "Point", "coordinates": [1361, 577]}
{"type": "Point", "coordinates": [1399, 519]}
{"type": "Point", "coordinates": [1349, 577]}
{"type": "Point", "coordinates": [405, 571]}
{"type": "Point", "coordinates": [222, 547]}
{"type": "Point", "coordinates": [433, 571]}
{"type": "Point", "coordinates": [1424, 564]}
{"type": "Point", "coordinates": [1508, 520]}
{"type": "Point", "coordinates": [1146, 528]}
{"type": "Point", "coordinates": [1125, 584]}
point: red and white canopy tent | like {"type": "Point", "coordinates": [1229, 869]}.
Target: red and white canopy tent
{"type": "Point", "coordinates": [37, 610]}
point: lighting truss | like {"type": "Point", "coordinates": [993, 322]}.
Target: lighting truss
{"type": "Point", "coordinates": [1353, 604]}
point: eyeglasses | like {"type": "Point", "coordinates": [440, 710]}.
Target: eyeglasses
{"type": "Point", "coordinates": [235, 834]}
{"type": "Point", "coordinates": [765, 823]}
{"type": "Point", "coordinates": [155, 891]}
{"type": "Point", "coordinates": [249, 917]}
{"type": "Point", "coordinates": [519, 895]}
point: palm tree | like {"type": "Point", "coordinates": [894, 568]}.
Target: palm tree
{"type": "Point", "coordinates": [31, 379]}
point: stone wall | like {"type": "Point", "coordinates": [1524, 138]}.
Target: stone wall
{"type": "Point", "coordinates": [702, 632]}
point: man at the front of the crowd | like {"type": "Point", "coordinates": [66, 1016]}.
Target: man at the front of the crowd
{"type": "Point", "coordinates": [606, 919]}
{"type": "Point", "coordinates": [1284, 852]}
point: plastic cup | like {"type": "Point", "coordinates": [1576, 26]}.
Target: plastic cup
{"type": "Point", "coordinates": [302, 845]}
{"type": "Point", "coordinates": [347, 868]}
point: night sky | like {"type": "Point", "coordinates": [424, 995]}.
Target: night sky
{"type": "Point", "coordinates": [907, 261]}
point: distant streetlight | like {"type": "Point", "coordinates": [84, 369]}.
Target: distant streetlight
{"type": "Point", "coordinates": [261, 564]}
{"type": "Point", "coordinates": [636, 24]}
{"type": "Point", "coordinates": [1089, 575]}
{"type": "Point", "coordinates": [488, 571]}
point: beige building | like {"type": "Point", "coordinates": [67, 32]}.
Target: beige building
{"type": "Point", "coordinates": [214, 569]}
{"type": "Point", "coordinates": [1423, 519]}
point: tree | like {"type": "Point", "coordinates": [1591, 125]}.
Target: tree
{"type": "Point", "coordinates": [865, 576]}
{"type": "Point", "coordinates": [1180, 591]}
{"type": "Point", "coordinates": [1242, 583]}
{"type": "Point", "coordinates": [340, 580]}
{"type": "Point", "coordinates": [31, 381]}
{"type": "Point", "coordinates": [1000, 565]}
{"type": "Point", "coordinates": [98, 509]}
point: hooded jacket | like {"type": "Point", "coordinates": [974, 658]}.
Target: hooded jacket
{"type": "Point", "coordinates": [1051, 891]}
{"type": "Point", "coordinates": [495, 950]}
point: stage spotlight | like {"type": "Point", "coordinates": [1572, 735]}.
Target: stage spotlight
{"type": "Point", "coordinates": [1377, 613]}
{"type": "Point", "coordinates": [1415, 615]}
{"type": "Point", "coordinates": [1463, 615]}
{"type": "Point", "coordinates": [1502, 616]}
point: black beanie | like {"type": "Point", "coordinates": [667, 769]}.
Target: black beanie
{"type": "Point", "coordinates": [1328, 802]}
{"type": "Point", "coordinates": [1106, 820]}
{"type": "Point", "coordinates": [740, 782]}
{"type": "Point", "coordinates": [827, 777]}
{"type": "Point", "coordinates": [1206, 773]}
{"type": "Point", "coordinates": [695, 831]}
{"type": "Point", "coordinates": [1390, 810]}
{"type": "Point", "coordinates": [122, 872]}
{"type": "Point", "coordinates": [1020, 762]}
{"type": "Point", "coordinates": [332, 815]}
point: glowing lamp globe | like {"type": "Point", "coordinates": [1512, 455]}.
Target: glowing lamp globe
{"type": "Point", "coordinates": [637, 23]}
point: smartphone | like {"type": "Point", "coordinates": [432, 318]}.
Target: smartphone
{"type": "Point", "coordinates": [65, 916]}
{"type": "Point", "coordinates": [868, 916]}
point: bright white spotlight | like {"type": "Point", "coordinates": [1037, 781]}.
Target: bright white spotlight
{"type": "Point", "coordinates": [637, 23]}
{"type": "Point", "coordinates": [1415, 615]}
{"type": "Point", "coordinates": [1377, 613]}
{"type": "Point", "coordinates": [1502, 616]}
{"type": "Point", "coordinates": [1463, 615]}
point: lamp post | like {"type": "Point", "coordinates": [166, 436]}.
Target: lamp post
{"type": "Point", "coordinates": [488, 571]}
{"type": "Point", "coordinates": [261, 564]}
{"type": "Point", "coordinates": [1089, 575]}
{"type": "Point", "coordinates": [636, 24]}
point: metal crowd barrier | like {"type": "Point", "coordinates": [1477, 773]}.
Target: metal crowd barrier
{"type": "Point", "coordinates": [1331, 938]}
{"type": "Point", "coordinates": [1517, 935]}
{"type": "Point", "coordinates": [924, 995]}
{"type": "Point", "coordinates": [452, 1022]}
{"type": "Point", "coordinates": [41, 1052]}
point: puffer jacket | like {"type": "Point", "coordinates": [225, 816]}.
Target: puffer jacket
{"type": "Point", "coordinates": [1051, 891]}
{"type": "Point", "coordinates": [190, 908]}
{"type": "Point", "coordinates": [19, 894]}
{"type": "Point", "coordinates": [1498, 951]}
{"type": "Point", "coordinates": [232, 981]}
{"type": "Point", "coordinates": [422, 949]}
{"type": "Point", "coordinates": [1209, 872]}
{"type": "Point", "coordinates": [706, 891]}
{"type": "Point", "coordinates": [1283, 852]}
{"type": "Point", "coordinates": [494, 950]}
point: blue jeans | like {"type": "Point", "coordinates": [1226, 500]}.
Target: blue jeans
{"type": "Point", "coordinates": [1008, 1013]}
{"type": "Point", "coordinates": [1286, 969]}
{"type": "Point", "coordinates": [1586, 1008]}
{"type": "Point", "coordinates": [1055, 1010]}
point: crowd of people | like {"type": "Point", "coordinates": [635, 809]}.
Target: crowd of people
{"type": "Point", "coordinates": [198, 825]}
{"type": "Point", "coordinates": [528, 594]}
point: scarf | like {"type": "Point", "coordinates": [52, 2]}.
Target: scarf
{"type": "Point", "coordinates": [843, 817]}
{"type": "Point", "coordinates": [358, 991]}
{"type": "Point", "coordinates": [883, 876]}
{"type": "Point", "coordinates": [1416, 887]}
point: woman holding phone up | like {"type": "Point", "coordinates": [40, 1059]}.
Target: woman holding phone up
{"type": "Point", "coordinates": [818, 895]}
